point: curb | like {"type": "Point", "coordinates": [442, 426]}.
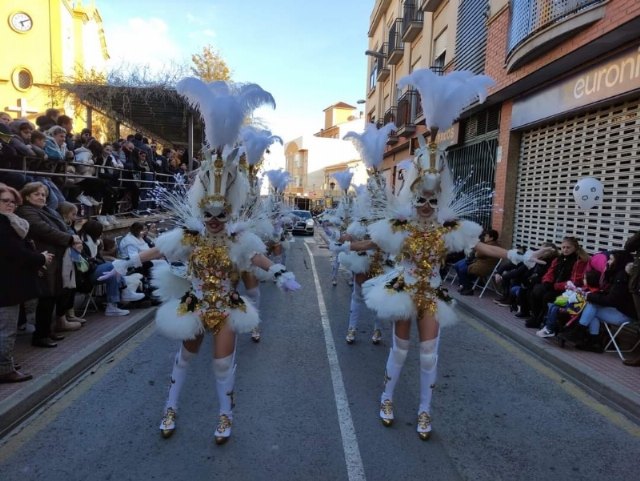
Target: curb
{"type": "Point", "coordinates": [21, 404]}
{"type": "Point", "coordinates": [600, 387]}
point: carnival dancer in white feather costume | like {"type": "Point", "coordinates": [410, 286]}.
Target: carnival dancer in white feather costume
{"type": "Point", "coordinates": [210, 249]}
{"type": "Point", "coordinates": [254, 143]}
{"type": "Point", "coordinates": [419, 227]}
{"type": "Point", "coordinates": [363, 264]}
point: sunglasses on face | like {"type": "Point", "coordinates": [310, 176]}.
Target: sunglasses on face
{"type": "Point", "coordinates": [220, 216]}
{"type": "Point", "coordinates": [433, 201]}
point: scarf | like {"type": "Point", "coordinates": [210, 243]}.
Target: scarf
{"type": "Point", "coordinates": [20, 225]}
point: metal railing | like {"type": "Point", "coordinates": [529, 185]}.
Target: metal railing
{"type": "Point", "coordinates": [412, 16]}
{"type": "Point", "coordinates": [407, 108]}
{"type": "Point", "coordinates": [396, 46]}
{"type": "Point", "coordinates": [530, 16]}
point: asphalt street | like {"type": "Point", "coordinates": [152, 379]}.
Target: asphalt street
{"type": "Point", "coordinates": [307, 403]}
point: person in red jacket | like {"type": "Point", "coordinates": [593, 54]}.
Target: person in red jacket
{"type": "Point", "coordinates": [570, 265]}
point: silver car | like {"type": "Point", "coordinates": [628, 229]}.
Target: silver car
{"type": "Point", "coordinates": [303, 222]}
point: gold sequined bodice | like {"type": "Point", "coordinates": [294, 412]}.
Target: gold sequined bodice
{"type": "Point", "coordinates": [211, 265]}
{"type": "Point", "coordinates": [425, 249]}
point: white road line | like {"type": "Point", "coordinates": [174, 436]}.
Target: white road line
{"type": "Point", "coordinates": [355, 469]}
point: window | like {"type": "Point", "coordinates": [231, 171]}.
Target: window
{"type": "Point", "coordinates": [439, 51]}
{"type": "Point", "coordinates": [22, 79]}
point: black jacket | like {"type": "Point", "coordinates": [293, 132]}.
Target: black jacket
{"type": "Point", "coordinates": [20, 265]}
{"type": "Point", "coordinates": [616, 295]}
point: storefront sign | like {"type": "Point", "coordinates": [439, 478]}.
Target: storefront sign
{"type": "Point", "coordinates": [614, 77]}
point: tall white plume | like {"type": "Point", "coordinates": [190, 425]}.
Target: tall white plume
{"type": "Point", "coordinates": [444, 97]}
{"type": "Point", "coordinates": [278, 178]}
{"type": "Point", "coordinates": [256, 141]}
{"type": "Point", "coordinates": [371, 143]}
{"type": "Point", "coordinates": [344, 179]}
{"type": "Point", "coordinates": [223, 106]}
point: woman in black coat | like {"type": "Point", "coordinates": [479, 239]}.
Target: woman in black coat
{"type": "Point", "coordinates": [20, 266]}
{"type": "Point", "coordinates": [49, 232]}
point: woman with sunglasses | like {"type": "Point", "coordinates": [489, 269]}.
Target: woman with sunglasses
{"type": "Point", "coordinates": [21, 264]}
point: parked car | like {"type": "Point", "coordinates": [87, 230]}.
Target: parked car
{"type": "Point", "coordinates": [303, 222]}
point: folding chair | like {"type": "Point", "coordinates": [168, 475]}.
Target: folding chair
{"type": "Point", "coordinates": [451, 272]}
{"type": "Point", "coordinates": [614, 335]}
{"type": "Point", "coordinates": [90, 299]}
{"type": "Point", "coordinates": [488, 284]}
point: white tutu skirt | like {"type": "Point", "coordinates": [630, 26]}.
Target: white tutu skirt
{"type": "Point", "coordinates": [392, 305]}
{"type": "Point", "coordinates": [175, 325]}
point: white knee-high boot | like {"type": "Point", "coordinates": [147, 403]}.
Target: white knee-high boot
{"type": "Point", "coordinates": [254, 295]}
{"type": "Point", "coordinates": [224, 371]}
{"type": "Point", "coordinates": [356, 306]}
{"type": "Point", "coordinates": [178, 375]}
{"type": "Point", "coordinates": [395, 361]}
{"type": "Point", "coordinates": [428, 370]}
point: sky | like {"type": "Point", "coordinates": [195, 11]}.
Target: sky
{"type": "Point", "coordinates": [308, 54]}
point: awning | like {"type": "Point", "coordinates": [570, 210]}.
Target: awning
{"type": "Point", "coordinates": [158, 112]}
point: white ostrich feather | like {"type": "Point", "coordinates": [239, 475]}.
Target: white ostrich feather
{"type": "Point", "coordinates": [371, 143]}
{"type": "Point", "coordinates": [223, 106]}
{"type": "Point", "coordinates": [344, 179]}
{"type": "Point", "coordinates": [256, 141]}
{"type": "Point", "coordinates": [444, 97]}
{"type": "Point", "coordinates": [184, 214]}
{"type": "Point", "coordinates": [278, 178]}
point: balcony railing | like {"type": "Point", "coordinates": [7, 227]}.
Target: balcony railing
{"type": "Point", "coordinates": [391, 115]}
{"type": "Point", "coordinates": [383, 68]}
{"type": "Point", "coordinates": [412, 21]}
{"type": "Point", "coordinates": [530, 16]}
{"type": "Point", "coordinates": [407, 109]}
{"type": "Point", "coordinates": [396, 48]}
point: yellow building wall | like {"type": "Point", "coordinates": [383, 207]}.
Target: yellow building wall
{"type": "Point", "coordinates": [50, 51]}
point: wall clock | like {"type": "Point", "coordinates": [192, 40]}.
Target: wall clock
{"type": "Point", "coordinates": [20, 22]}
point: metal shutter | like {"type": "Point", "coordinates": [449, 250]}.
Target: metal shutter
{"type": "Point", "coordinates": [604, 144]}
{"type": "Point", "coordinates": [471, 35]}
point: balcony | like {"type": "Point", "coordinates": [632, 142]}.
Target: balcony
{"type": "Point", "coordinates": [383, 68]}
{"type": "Point", "coordinates": [407, 109]}
{"type": "Point", "coordinates": [396, 49]}
{"type": "Point", "coordinates": [412, 21]}
{"type": "Point", "coordinates": [391, 115]}
{"type": "Point", "coordinates": [537, 26]}
{"type": "Point", "coordinates": [431, 5]}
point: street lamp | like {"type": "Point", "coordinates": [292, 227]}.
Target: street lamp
{"type": "Point", "coordinates": [373, 53]}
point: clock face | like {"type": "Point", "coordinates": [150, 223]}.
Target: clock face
{"type": "Point", "coordinates": [21, 22]}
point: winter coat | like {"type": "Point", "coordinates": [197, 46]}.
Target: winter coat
{"type": "Point", "coordinates": [20, 265]}
{"type": "Point", "coordinates": [49, 232]}
{"type": "Point", "coordinates": [633, 245]}
{"type": "Point", "coordinates": [564, 269]}
{"type": "Point", "coordinates": [483, 265]}
{"type": "Point", "coordinates": [616, 295]}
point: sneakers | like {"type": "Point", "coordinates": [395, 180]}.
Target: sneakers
{"type": "Point", "coordinates": [255, 334]}
{"type": "Point", "coordinates": [168, 423]}
{"type": "Point", "coordinates": [130, 296]}
{"type": "Point", "coordinates": [113, 310]}
{"type": "Point", "coordinates": [84, 200]}
{"type": "Point", "coordinates": [545, 332]}
{"type": "Point", "coordinates": [376, 337]}
{"type": "Point", "coordinates": [351, 335]}
{"type": "Point", "coordinates": [334, 282]}
{"type": "Point", "coordinates": [223, 429]}
{"type": "Point", "coordinates": [386, 412]}
{"type": "Point", "coordinates": [424, 425]}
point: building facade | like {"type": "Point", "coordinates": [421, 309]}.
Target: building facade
{"type": "Point", "coordinates": [52, 41]}
{"type": "Point", "coordinates": [313, 159]}
{"type": "Point", "coordinates": [565, 105]}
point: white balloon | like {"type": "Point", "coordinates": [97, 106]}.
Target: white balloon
{"type": "Point", "coordinates": [588, 192]}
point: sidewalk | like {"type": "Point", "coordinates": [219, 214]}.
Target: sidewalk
{"type": "Point", "coordinates": [54, 368]}
{"type": "Point", "coordinates": [603, 375]}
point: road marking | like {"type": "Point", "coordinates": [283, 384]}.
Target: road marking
{"type": "Point", "coordinates": [355, 468]}
{"type": "Point", "coordinates": [45, 415]}
{"type": "Point", "coordinates": [565, 384]}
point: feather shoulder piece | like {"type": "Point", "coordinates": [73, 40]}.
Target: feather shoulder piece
{"type": "Point", "coordinates": [388, 235]}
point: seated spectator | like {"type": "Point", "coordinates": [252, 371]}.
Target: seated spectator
{"type": "Point", "coordinates": [133, 243]}
{"type": "Point", "coordinates": [569, 305]}
{"type": "Point", "coordinates": [570, 265]}
{"type": "Point", "coordinates": [117, 290]}
{"type": "Point", "coordinates": [66, 319]}
{"type": "Point", "coordinates": [5, 118]}
{"type": "Point", "coordinates": [533, 278]}
{"type": "Point", "coordinates": [44, 123]}
{"type": "Point", "coordinates": [55, 146]}
{"type": "Point", "coordinates": [66, 123]}
{"type": "Point", "coordinates": [612, 305]}
{"type": "Point", "coordinates": [507, 277]}
{"type": "Point", "coordinates": [83, 139]}
{"type": "Point", "coordinates": [22, 130]}
{"type": "Point", "coordinates": [480, 266]}
{"type": "Point", "coordinates": [109, 250]}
